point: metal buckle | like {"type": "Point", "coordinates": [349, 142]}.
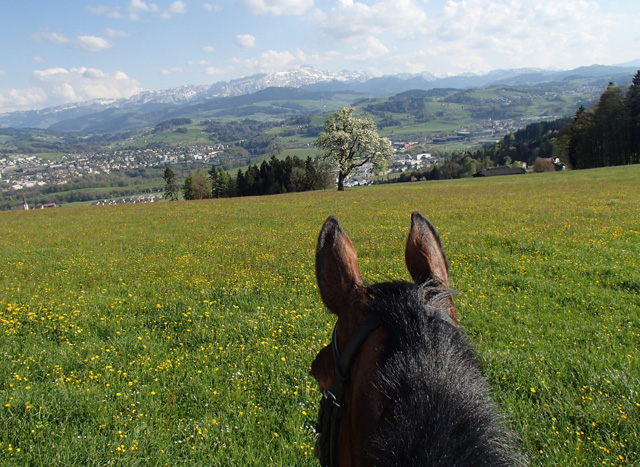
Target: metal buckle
{"type": "Point", "coordinates": [334, 400]}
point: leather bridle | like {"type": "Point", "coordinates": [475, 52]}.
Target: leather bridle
{"type": "Point", "coordinates": [330, 414]}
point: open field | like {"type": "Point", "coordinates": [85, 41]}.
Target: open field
{"type": "Point", "coordinates": [182, 333]}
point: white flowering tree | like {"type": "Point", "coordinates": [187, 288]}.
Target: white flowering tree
{"type": "Point", "coordinates": [348, 143]}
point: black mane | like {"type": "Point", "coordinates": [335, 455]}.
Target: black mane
{"type": "Point", "coordinates": [442, 414]}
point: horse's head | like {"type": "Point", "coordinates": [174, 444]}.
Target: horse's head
{"type": "Point", "coordinates": [352, 406]}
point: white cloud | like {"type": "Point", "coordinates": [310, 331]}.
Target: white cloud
{"type": "Point", "coordinates": [351, 19]}
{"type": "Point", "coordinates": [171, 71]}
{"type": "Point", "coordinates": [269, 62]}
{"type": "Point", "coordinates": [277, 7]}
{"type": "Point", "coordinates": [483, 35]}
{"type": "Point", "coordinates": [21, 99]}
{"type": "Point", "coordinates": [113, 33]}
{"type": "Point", "coordinates": [111, 12]}
{"type": "Point", "coordinates": [56, 38]}
{"type": "Point", "coordinates": [79, 84]}
{"type": "Point", "coordinates": [92, 43]}
{"type": "Point", "coordinates": [214, 71]}
{"type": "Point", "coordinates": [83, 42]}
{"type": "Point", "coordinates": [208, 49]}
{"type": "Point", "coordinates": [176, 8]}
{"type": "Point", "coordinates": [210, 7]}
{"type": "Point", "coordinates": [139, 6]}
{"type": "Point", "coordinates": [369, 49]}
{"type": "Point", "coordinates": [245, 40]}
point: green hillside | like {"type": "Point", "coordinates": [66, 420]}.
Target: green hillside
{"type": "Point", "coordinates": [182, 332]}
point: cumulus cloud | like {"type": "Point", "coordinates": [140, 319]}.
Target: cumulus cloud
{"type": "Point", "coordinates": [176, 8]}
{"type": "Point", "coordinates": [18, 99]}
{"type": "Point", "coordinates": [245, 40]}
{"type": "Point", "coordinates": [277, 7]}
{"type": "Point", "coordinates": [92, 43]}
{"type": "Point", "coordinates": [208, 49]}
{"type": "Point", "coordinates": [351, 19]}
{"type": "Point", "coordinates": [61, 85]}
{"type": "Point", "coordinates": [519, 33]}
{"type": "Point", "coordinates": [139, 6]}
{"type": "Point", "coordinates": [368, 49]}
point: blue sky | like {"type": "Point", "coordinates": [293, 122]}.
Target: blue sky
{"type": "Point", "coordinates": [59, 51]}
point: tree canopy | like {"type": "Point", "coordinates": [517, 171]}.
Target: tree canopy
{"type": "Point", "coordinates": [348, 143]}
{"type": "Point", "coordinates": [606, 134]}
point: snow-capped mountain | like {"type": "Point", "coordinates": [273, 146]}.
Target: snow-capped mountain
{"type": "Point", "coordinates": [300, 77]}
{"type": "Point", "coordinates": [306, 77]}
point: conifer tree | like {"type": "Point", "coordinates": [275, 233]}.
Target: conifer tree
{"type": "Point", "coordinates": [632, 105]}
{"type": "Point", "coordinates": [171, 186]}
{"type": "Point", "coordinates": [223, 184]}
{"type": "Point", "coordinates": [187, 190]}
{"type": "Point", "coordinates": [213, 177]}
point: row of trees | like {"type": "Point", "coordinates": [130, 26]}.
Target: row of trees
{"type": "Point", "coordinates": [347, 143]}
{"type": "Point", "coordinates": [274, 176]}
{"type": "Point", "coordinates": [607, 134]}
{"type": "Point", "coordinates": [283, 176]}
{"type": "Point", "coordinates": [458, 166]}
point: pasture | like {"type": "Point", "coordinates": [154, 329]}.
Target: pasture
{"type": "Point", "coordinates": [182, 333]}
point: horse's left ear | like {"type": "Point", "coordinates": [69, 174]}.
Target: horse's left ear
{"type": "Point", "coordinates": [339, 279]}
{"type": "Point", "coordinates": [424, 254]}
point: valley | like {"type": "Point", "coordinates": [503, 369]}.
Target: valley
{"type": "Point", "coordinates": [121, 151]}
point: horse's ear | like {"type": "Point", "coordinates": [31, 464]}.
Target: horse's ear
{"type": "Point", "coordinates": [424, 254]}
{"type": "Point", "coordinates": [339, 279]}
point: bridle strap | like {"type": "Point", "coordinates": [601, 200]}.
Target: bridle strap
{"type": "Point", "coordinates": [330, 415]}
{"type": "Point", "coordinates": [344, 361]}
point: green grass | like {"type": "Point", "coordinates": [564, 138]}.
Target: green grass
{"type": "Point", "coordinates": [301, 153]}
{"type": "Point", "coordinates": [182, 333]}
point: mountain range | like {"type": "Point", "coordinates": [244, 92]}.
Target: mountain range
{"type": "Point", "coordinates": [304, 83]}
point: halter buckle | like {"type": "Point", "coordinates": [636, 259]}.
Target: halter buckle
{"type": "Point", "coordinates": [333, 398]}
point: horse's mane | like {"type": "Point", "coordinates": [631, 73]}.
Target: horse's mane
{"type": "Point", "coordinates": [442, 414]}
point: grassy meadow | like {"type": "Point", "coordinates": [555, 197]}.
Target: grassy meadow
{"type": "Point", "coordinates": [182, 333]}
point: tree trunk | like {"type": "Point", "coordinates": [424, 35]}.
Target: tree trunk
{"type": "Point", "coordinates": [341, 177]}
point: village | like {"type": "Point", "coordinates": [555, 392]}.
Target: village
{"type": "Point", "coordinates": [24, 171]}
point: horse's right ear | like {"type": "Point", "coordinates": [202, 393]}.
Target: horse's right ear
{"type": "Point", "coordinates": [424, 254]}
{"type": "Point", "coordinates": [339, 279]}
